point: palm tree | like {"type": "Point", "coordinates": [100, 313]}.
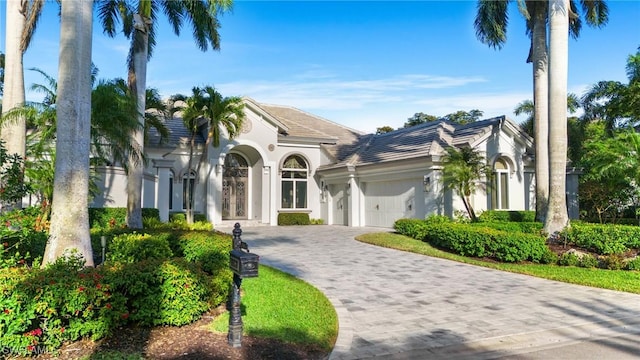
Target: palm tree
{"type": "Point", "coordinates": [557, 216]}
{"type": "Point", "coordinates": [206, 107]}
{"type": "Point", "coordinates": [69, 211]}
{"type": "Point", "coordinates": [463, 171]}
{"type": "Point", "coordinates": [139, 20]}
{"type": "Point", "coordinates": [491, 23]}
{"type": "Point", "coordinates": [21, 20]}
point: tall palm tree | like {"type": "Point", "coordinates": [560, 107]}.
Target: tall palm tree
{"type": "Point", "coordinates": [208, 108]}
{"type": "Point", "coordinates": [491, 23]}
{"type": "Point", "coordinates": [139, 20]}
{"type": "Point", "coordinates": [463, 171]}
{"type": "Point", "coordinates": [557, 216]}
{"type": "Point", "coordinates": [69, 211]}
{"type": "Point", "coordinates": [21, 20]}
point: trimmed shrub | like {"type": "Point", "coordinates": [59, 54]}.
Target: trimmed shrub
{"type": "Point", "coordinates": [293, 219]}
{"type": "Point", "coordinates": [604, 239]}
{"type": "Point", "coordinates": [569, 259]}
{"type": "Point", "coordinates": [163, 292]}
{"type": "Point", "coordinates": [63, 302]}
{"type": "Point", "coordinates": [413, 228]}
{"type": "Point", "coordinates": [505, 215]}
{"type": "Point", "coordinates": [471, 240]}
{"type": "Point", "coordinates": [523, 227]}
{"type": "Point", "coordinates": [135, 247]}
{"type": "Point", "coordinates": [22, 238]}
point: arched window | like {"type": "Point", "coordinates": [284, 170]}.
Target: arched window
{"type": "Point", "coordinates": [188, 184]}
{"type": "Point", "coordinates": [500, 189]}
{"type": "Point", "coordinates": [294, 183]}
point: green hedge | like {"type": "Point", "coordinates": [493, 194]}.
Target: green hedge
{"type": "Point", "coordinates": [109, 218]}
{"type": "Point", "coordinates": [506, 215]}
{"type": "Point", "coordinates": [524, 227]}
{"type": "Point", "coordinates": [604, 239]}
{"type": "Point", "coordinates": [293, 219]}
{"type": "Point", "coordinates": [478, 241]}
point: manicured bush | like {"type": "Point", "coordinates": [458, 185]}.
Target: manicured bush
{"type": "Point", "coordinates": [211, 250]}
{"type": "Point", "coordinates": [163, 292]}
{"type": "Point", "coordinates": [506, 215]}
{"type": "Point", "coordinates": [604, 239]}
{"type": "Point", "coordinates": [293, 219]}
{"type": "Point", "coordinates": [471, 240]}
{"type": "Point", "coordinates": [414, 228]}
{"type": "Point", "coordinates": [569, 259]}
{"type": "Point", "coordinates": [510, 226]}
{"type": "Point", "coordinates": [135, 247]}
{"type": "Point", "coordinates": [63, 302]}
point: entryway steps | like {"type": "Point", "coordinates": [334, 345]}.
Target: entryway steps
{"type": "Point", "coordinates": [228, 224]}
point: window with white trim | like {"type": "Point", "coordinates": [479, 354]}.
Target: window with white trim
{"type": "Point", "coordinates": [294, 183]}
{"type": "Point", "coordinates": [500, 188]}
{"type": "Point", "coordinates": [188, 179]}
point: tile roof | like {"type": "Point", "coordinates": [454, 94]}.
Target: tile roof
{"type": "Point", "coordinates": [178, 134]}
{"type": "Point", "coordinates": [418, 141]}
{"type": "Point", "coordinates": [339, 140]}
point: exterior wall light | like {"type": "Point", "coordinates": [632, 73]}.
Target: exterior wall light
{"type": "Point", "coordinates": [426, 182]}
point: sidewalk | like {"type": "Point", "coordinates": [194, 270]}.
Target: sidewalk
{"type": "Point", "coordinates": [398, 305]}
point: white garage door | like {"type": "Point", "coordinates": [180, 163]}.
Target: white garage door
{"type": "Point", "coordinates": [388, 201]}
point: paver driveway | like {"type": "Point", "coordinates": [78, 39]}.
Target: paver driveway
{"type": "Point", "coordinates": [398, 305]}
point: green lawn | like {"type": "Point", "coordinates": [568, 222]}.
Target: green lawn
{"type": "Point", "coordinates": [279, 306]}
{"type": "Point", "coordinates": [622, 280]}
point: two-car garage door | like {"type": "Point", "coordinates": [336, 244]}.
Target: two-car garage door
{"type": "Point", "coordinates": [388, 201]}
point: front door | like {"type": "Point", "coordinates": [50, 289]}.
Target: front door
{"type": "Point", "coordinates": [235, 185]}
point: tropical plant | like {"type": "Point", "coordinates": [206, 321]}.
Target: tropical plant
{"type": "Point", "coordinates": [12, 186]}
{"type": "Point", "coordinates": [139, 20]}
{"type": "Point", "coordinates": [463, 171]}
{"type": "Point", "coordinates": [617, 104]}
{"type": "Point", "coordinates": [207, 107]}
{"type": "Point", "coordinates": [69, 209]}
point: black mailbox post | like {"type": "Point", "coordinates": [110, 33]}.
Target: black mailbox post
{"type": "Point", "coordinates": [243, 264]}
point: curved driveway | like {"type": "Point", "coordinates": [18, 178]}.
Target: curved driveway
{"type": "Point", "coordinates": [398, 305]}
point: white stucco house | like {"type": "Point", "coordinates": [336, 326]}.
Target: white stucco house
{"type": "Point", "coordinates": [287, 160]}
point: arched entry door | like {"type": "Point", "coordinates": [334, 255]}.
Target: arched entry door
{"type": "Point", "coordinates": [235, 187]}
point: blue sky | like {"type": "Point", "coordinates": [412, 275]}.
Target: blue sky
{"type": "Point", "coordinates": [363, 64]}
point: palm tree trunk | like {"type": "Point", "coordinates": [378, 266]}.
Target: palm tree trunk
{"type": "Point", "coordinates": [70, 216]}
{"type": "Point", "coordinates": [540, 113]}
{"type": "Point", "coordinates": [189, 201]}
{"type": "Point", "coordinates": [137, 84]}
{"type": "Point", "coordinates": [14, 132]}
{"type": "Point", "coordinates": [557, 217]}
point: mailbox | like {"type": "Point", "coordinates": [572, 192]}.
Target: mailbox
{"type": "Point", "coordinates": [244, 264]}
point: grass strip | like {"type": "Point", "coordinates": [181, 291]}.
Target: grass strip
{"type": "Point", "coordinates": [279, 306]}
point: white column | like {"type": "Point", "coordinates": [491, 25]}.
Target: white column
{"type": "Point", "coordinates": [162, 187]}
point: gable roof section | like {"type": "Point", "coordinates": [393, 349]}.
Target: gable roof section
{"type": "Point", "coordinates": [424, 140]}
{"type": "Point", "coordinates": [339, 141]}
